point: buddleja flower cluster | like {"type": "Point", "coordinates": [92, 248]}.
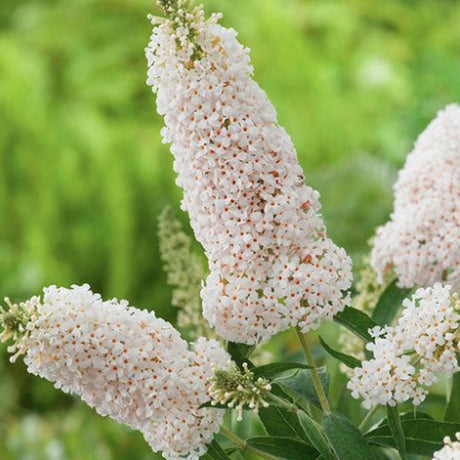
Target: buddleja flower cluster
{"type": "Point", "coordinates": [451, 450]}
{"type": "Point", "coordinates": [421, 243]}
{"type": "Point", "coordinates": [125, 363]}
{"type": "Point", "coordinates": [407, 358]}
{"type": "Point", "coordinates": [271, 263]}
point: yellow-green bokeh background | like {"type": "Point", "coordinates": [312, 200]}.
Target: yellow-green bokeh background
{"type": "Point", "coordinates": [84, 175]}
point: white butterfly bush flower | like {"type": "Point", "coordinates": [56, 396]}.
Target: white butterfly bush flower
{"type": "Point", "coordinates": [451, 450]}
{"type": "Point", "coordinates": [272, 265]}
{"type": "Point", "coordinates": [408, 357]}
{"type": "Point", "coordinates": [421, 242]}
{"type": "Point", "coordinates": [127, 364]}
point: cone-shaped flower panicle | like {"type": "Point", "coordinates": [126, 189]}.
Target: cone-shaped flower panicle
{"type": "Point", "coordinates": [408, 357]}
{"type": "Point", "coordinates": [450, 451]}
{"type": "Point", "coordinates": [271, 264]}
{"type": "Point", "coordinates": [125, 363]}
{"type": "Point", "coordinates": [421, 242]}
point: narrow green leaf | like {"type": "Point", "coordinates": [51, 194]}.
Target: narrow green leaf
{"type": "Point", "coordinates": [285, 448]}
{"type": "Point", "coordinates": [240, 352]}
{"type": "Point", "coordinates": [346, 440]}
{"type": "Point", "coordinates": [315, 436]}
{"type": "Point", "coordinates": [278, 421]}
{"type": "Point", "coordinates": [348, 360]}
{"type": "Point", "coordinates": [215, 452]}
{"type": "Point", "coordinates": [357, 322]}
{"type": "Point", "coordinates": [452, 413]}
{"type": "Point", "coordinates": [389, 303]}
{"type": "Point", "coordinates": [299, 387]}
{"type": "Point", "coordinates": [272, 370]}
{"type": "Point", "coordinates": [395, 425]}
{"type": "Point", "coordinates": [423, 436]}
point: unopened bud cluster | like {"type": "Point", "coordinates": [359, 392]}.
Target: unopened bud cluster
{"type": "Point", "coordinates": [237, 389]}
{"type": "Point", "coordinates": [185, 273]}
{"type": "Point", "coordinates": [17, 321]}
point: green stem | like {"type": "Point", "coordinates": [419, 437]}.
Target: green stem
{"type": "Point", "coordinates": [242, 445]}
{"type": "Point", "coordinates": [314, 373]}
{"type": "Point", "coordinates": [367, 418]}
{"type": "Point", "coordinates": [281, 402]}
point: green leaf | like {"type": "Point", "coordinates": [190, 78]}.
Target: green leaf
{"type": "Point", "coordinates": [285, 448]}
{"type": "Point", "coordinates": [357, 322]}
{"type": "Point", "coordinates": [407, 416]}
{"type": "Point", "coordinates": [315, 436]}
{"type": "Point", "coordinates": [395, 425]}
{"type": "Point", "coordinates": [346, 440]}
{"type": "Point", "coordinates": [452, 413]}
{"type": "Point", "coordinates": [279, 421]}
{"type": "Point", "coordinates": [348, 360]}
{"type": "Point", "coordinates": [300, 389]}
{"type": "Point", "coordinates": [272, 370]}
{"type": "Point", "coordinates": [389, 303]}
{"type": "Point", "coordinates": [240, 352]}
{"type": "Point", "coordinates": [215, 452]}
{"type": "Point", "coordinates": [423, 436]}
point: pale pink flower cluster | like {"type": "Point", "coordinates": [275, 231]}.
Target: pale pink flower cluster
{"type": "Point", "coordinates": [129, 365]}
{"type": "Point", "coordinates": [450, 451]}
{"type": "Point", "coordinates": [407, 358]}
{"type": "Point", "coordinates": [272, 264]}
{"type": "Point", "coordinates": [421, 242]}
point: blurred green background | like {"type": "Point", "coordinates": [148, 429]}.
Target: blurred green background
{"type": "Point", "coordinates": [84, 174]}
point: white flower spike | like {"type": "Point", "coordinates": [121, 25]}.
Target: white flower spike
{"type": "Point", "coordinates": [421, 242]}
{"type": "Point", "coordinates": [272, 265]}
{"type": "Point", "coordinates": [409, 357]}
{"type": "Point", "coordinates": [125, 363]}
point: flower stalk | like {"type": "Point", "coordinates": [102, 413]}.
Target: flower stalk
{"type": "Point", "coordinates": [314, 373]}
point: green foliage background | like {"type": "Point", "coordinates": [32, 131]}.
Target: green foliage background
{"type": "Point", "coordinates": [84, 175]}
